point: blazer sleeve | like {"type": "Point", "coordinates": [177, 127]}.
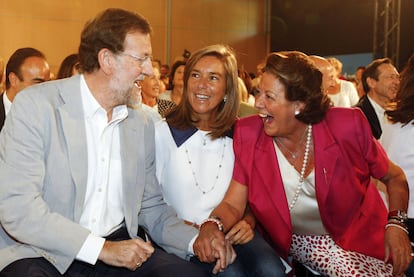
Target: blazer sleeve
{"type": "Point", "coordinates": [27, 219]}
{"type": "Point", "coordinates": [159, 219]}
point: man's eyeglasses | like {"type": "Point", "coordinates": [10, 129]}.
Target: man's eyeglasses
{"type": "Point", "coordinates": [140, 60]}
{"type": "Point", "coordinates": [392, 76]}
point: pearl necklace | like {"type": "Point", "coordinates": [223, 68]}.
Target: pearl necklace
{"type": "Point", "coordinates": [220, 165]}
{"type": "Point", "coordinates": [304, 164]}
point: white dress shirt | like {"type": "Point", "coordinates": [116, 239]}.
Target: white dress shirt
{"type": "Point", "coordinates": [102, 211]}
{"type": "Point", "coordinates": [7, 103]}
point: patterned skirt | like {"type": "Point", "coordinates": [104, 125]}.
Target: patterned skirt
{"type": "Point", "coordinates": [322, 254]}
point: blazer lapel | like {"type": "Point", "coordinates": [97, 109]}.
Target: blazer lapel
{"type": "Point", "coordinates": [132, 142]}
{"type": "Point", "coordinates": [73, 128]}
{"type": "Point", "coordinates": [2, 111]}
{"type": "Point", "coordinates": [326, 153]}
{"type": "Point", "coordinates": [267, 167]}
{"type": "Point", "coordinates": [371, 115]}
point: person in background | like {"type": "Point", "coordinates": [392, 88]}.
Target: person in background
{"type": "Point", "coordinates": [1, 75]}
{"type": "Point", "coordinates": [245, 77]}
{"type": "Point", "coordinates": [259, 71]}
{"type": "Point", "coordinates": [358, 81]}
{"type": "Point", "coordinates": [83, 164]}
{"type": "Point", "coordinates": [157, 64]}
{"type": "Point", "coordinates": [68, 67]}
{"type": "Point", "coordinates": [343, 93]}
{"type": "Point", "coordinates": [195, 157]}
{"type": "Point", "coordinates": [327, 70]}
{"type": "Point", "coordinates": [176, 84]}
{"type": "Point", "coordinates": [381, 81]}
{"type": "Point", "coordinates": [398, 134]}
{"type": "Point", "coordinates": [165, 72]}
{"type": "Point", "coordinates": [25, 67]}
{"type": "Point", "coordinates": [245, 108]}
{"type": "Point", "coordinates": [304, 168]}
{"type": "Point", "coordinates": [337, 65]}
{"type": "Point", "coordinates": [150, 90]}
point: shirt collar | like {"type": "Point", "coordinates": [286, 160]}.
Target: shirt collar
{"type": "Point", "coordinates": [376, 106]}
{"type": "Point", "coordinates": [7, 103]}
{"type": "Point", "coordinates": [181, 136]}
{"type": "Point", "coordinates": [91, 107]}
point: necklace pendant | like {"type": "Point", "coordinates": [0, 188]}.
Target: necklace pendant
{"type": "Point", "coordinates": [294, 156]}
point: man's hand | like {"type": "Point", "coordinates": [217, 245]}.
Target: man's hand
{"type": "Point", "coordinates": [241, 233]}
{"type": "Point", "coordinates": [211, 246]}
{"type": "Point", "coordinates": [127, 253]}
{"type": "Point", "coordinates": [397, 245]}
{"type": "Point", "coordinates": [230, 257]}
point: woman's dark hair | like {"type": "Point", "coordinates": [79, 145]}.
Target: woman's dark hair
{"type": "Point", "coordinates": [174, 68]}
{"type": "Point", "coordinates": [402, 110]}
{"type": "Point", "coordinates": [108, 30]}
{"type": "Point", "coordinates": [67, 66]}
{"type": "Point", "coordinates": [302, 81]}
{"type": "Point", "coordinates": [223, 118]}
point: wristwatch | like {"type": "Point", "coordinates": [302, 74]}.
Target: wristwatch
{"type": "Point", "coordinates": [398, 214]}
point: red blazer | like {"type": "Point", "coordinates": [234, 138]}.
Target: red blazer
{"type": "Point", "coordinates": [346, 155]}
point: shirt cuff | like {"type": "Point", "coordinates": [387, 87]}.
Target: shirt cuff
{"type": "Point", "coordinates": [190, 246]}
{"type": "Point", "coordinates": [90, 250]}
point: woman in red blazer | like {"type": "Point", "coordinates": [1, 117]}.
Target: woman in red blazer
{"type": "Point", "coordinates": [305, 168]}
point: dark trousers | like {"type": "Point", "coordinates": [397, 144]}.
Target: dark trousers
{"type": "Point", "coordinates": [159, 264]}
{"type": "Point", "coordinates": [410, 224]}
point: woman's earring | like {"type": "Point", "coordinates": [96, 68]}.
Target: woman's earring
{"type": "Point", "coordinates": [225, 98]}
{"type": "Point", "coordinates": [297, 112]}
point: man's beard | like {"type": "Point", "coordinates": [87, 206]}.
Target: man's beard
{"type": "Point", "coordinates": [134, 97]}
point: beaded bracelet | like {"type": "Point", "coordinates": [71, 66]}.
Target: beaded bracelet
{"type": "Point", "coordinates": [215, 220]}
{"type": "Point", "coordinates": [397, 219]}
{"type": "Point", "coordinates": [396, 225]}
{"type": "Point", "coordinates": [399, 222]}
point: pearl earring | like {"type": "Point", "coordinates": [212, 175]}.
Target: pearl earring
{"type": "Point", "coordinates": [297, 112]}
{"type": "Point", "coordinates": [225, 98]}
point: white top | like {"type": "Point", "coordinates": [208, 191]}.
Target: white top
{"type": "Point", "coordinates": [397, 142]}
{"type": "Point", "coordinates": [177, 177]}
{"type": "Point", "coordinates": [347, 95]}
{"type": "Point", "coordinates": [305, 216]}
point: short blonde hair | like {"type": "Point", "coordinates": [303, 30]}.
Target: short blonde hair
{"type": "Point", "coordinates": [336, 64]}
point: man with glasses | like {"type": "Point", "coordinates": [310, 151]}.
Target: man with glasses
{"type": "Point", "coordinates": [380, 81]}
{"type": "Point", "coordinates": [77, 169]}
{"type": "Point", "coordinates": [26, 67]}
